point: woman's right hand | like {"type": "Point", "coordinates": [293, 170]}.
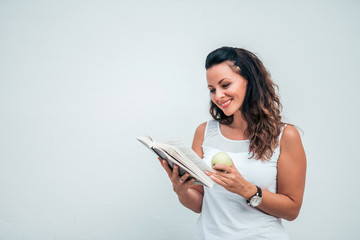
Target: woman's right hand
{"type": "Point", "coordinates": [180, 184]}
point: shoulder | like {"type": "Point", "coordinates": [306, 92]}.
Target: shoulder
{"type": "Point", "coordinates": [199, 139]}
{"type": "Point", "coordinates": [290, 133]}
{"type": "Point", "coordinates": [201, 128]}
{"type": "Point", "coordinates": [200, 132]}
{"type": "Point", "coordinates": [290, 136]}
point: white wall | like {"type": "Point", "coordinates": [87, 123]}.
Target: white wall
{"type": "Point", "coordinates": [79, 80]}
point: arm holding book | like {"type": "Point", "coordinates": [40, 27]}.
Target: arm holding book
{"type": "Point", "coordinates": [190, 196]}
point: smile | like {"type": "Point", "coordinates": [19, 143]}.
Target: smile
{"type": "Point", "coordinates": [225, 104]}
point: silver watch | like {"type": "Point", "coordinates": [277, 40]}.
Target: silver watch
{"type": "Point", "coordinates": [256, 199]}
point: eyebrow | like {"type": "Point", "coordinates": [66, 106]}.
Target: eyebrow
{"type": "Point", "coordinates": [218, 82]}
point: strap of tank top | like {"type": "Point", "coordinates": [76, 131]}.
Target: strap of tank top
{"type": "Point", "coordinates": [206, 129]}
{"type": "Point", "coordinates": [210, 129]}
{"type": "Point", "coordinates": [281, 132]}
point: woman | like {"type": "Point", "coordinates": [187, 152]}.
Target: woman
{"type": "Point", "coordinates": [267, 178]}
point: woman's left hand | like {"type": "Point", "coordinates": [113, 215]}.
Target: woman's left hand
{"type": "Point", "coordinates": [231, 179]}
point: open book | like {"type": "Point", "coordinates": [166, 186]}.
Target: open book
{"type": "Point", "coordinates": [175, 152]}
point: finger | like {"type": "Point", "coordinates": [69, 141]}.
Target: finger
{"type": "Point", "coordinates": [184, 177]}
{"type": "Point", "coordinates": [160, 160]}
{"type": "Point", "coordinates": [222, 167]}
{"type": "Point", "coordinates": [218, 180]}
{"type": "Point", "coordinates": [165, 165]}
{"type": "Point", "coordinates": [210, 173]}
{"type": "Point", "coordinates": [189, 182]}
{"type": "Point", "coordinates": [175, 172]}
{"type": "Point", "coordinates": [223, 176]}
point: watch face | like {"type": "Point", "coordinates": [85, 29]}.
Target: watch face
{"type": "Point", "coordinates": [255, 201]}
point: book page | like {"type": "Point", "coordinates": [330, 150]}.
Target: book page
{"type": "Point", "coordinates": [191, 155]}
{"type": "Point", "coordinates": [146, 140]}
{"type": "Point", "coordinates": [179, 156]}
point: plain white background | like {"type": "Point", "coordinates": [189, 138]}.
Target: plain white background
{"type": "Point", "coordinates": [80, 80]}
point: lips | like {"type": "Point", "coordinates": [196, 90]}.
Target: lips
{"type": "Point", "coordinates": [225, 104]}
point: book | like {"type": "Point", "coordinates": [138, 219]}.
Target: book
{"type": "Point", "coordinates": [175, 152]}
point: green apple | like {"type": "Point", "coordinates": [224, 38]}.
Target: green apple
{"type": "Point", "coordinates": [221, 157]}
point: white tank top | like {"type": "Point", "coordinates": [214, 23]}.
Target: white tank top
{"type": "Point", "coordinates": [226, 215]}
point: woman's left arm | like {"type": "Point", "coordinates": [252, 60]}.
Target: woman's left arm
{"type": "Point", "coordinates": [291, 171]}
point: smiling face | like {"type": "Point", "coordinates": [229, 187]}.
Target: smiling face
{"type": "Point", "coordinates": [227, 87]}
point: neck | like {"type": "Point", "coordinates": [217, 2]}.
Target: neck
{"type": "Point", "coordinates": [239, 122]}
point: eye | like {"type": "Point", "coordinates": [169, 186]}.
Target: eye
{"type": "Point", "coordinates": [212, 90]}
{"type": "Point", "coordinates": [226, 85]}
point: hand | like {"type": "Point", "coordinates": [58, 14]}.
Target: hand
{"type": "Point", "coordinates": [232, 180]}
{"type": "Point", "coordinates": [180, 184]}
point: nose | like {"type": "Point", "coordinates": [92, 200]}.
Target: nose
{"type": "Point", "coordinates": [219, 94]}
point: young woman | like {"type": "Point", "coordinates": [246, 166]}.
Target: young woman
{"type": "Point", "coordinates": [267, 178]}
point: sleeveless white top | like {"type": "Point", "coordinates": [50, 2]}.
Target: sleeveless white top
{"type": "Point", "coordinates": [226, 215]}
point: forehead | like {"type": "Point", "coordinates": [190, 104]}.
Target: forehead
{"type": "Point", "coordinates": [220, 71]}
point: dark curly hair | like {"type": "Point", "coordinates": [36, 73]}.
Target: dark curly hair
{"type": "Point", "coordinates": [261, 107]}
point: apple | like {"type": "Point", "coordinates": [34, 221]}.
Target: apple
{"type": "Point", "coordinates": [221, 157]}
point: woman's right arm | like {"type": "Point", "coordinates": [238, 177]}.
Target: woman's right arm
{"type": "Point", "coordinates": [190, 196]}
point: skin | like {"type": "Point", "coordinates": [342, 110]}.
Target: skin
{"type": "Point", "coordinates": [226, 84]}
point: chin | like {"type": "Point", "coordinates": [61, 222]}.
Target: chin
{"type": "Point", "coordinates": [228, 113]}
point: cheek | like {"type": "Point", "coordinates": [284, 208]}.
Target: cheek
{"type": "Point", "coordinates": [212, 97]}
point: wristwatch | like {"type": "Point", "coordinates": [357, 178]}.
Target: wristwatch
{"type": "Point", "coordinates": [256, 199]}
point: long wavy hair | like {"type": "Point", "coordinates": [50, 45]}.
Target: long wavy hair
{"type": "Point", "coordinates": [261, 107]}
